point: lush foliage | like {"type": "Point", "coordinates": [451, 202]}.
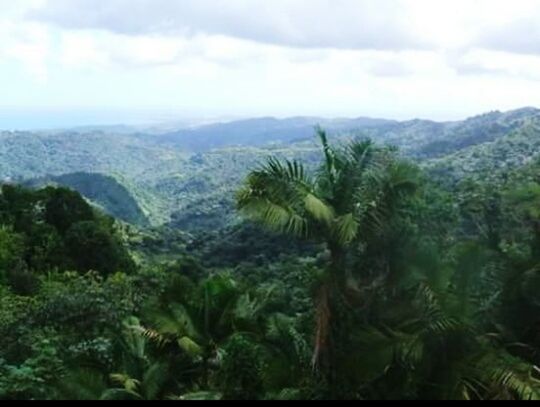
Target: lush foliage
{"type": "Point", "coordinates": [365, 277]}
{"type": "Point", "coordinates": [187, 178]}
{"type": "Point", "coordinates": [54, 229]}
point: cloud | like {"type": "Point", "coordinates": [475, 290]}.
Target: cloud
{"type": "Point", "coordinates": [28, 45]}
{"type": "Point", "coordinates": [101, 50]}
{"type": "Point", "coordinates": [320, 24]}
{"type": "Point", "coordinates": [342, 24]}
{"type": "Point", "coordinates": [481, 62]}
{"type": "Point", "coordinates": [394, 58]}
{"type": "Point", "coordinates": [521, 36]}
{"type": "Point", "coordinates": [16, 9]}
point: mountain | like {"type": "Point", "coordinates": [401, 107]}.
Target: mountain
{"type": "Point", "coordinates": [187, 178]}
{"type": "Point", "coordinates": [428, 140]}
{"type": "Point", "coordinates": [101, 190]}
{"type": "Point", "coordinates": [517, 148]}
{"type": "Point", "coordinates": [39, 154]}
{"type": "Point", "coordinates": [260, 132]}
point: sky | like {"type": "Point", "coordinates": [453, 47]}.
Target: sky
{"type": "Point", "coordinates": [110, 61]}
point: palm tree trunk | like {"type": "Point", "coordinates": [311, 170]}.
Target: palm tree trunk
{"type": "Point", "coordinates": [323, 319]}
{"type": "Point", "coordinates": [324, 309]}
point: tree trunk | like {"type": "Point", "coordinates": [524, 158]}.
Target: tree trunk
{"type": "Point", "coordinates": [323, 357]}
{"type": "Point", "coordinates": [323, 319]}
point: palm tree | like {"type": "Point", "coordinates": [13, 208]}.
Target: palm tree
{"type": "Point", "coordinates": [347, 202]}
{"type": "Point", "coordinates": [139, 375]}
{"type": "Point", "coordinates": [196, 321]}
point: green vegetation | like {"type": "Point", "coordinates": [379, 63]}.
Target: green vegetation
{"type": "Point", "coordinates": [346, 271]}
{"type": "Point", "coordinates": [54, 229]}
{"type": "Point", "coordinates": [187, 179]}
{"type": "Point", "coordinates": [102, 191]}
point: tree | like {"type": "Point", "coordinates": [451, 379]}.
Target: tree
{"type": "Point", "coordinates": [93, 247]}
{"type": "Point", "coordinates": [194, 320]}
{"type": "Point", "coordinates": [13, 268]}
{"type": "Point", "coordinates": [349, 201]}
{"type": "Point", "coordinates": [64, 208]}
{"type": "Point", "coordinates": [219, 335]}
{"type": "Point", "coordinates": [11, 251]}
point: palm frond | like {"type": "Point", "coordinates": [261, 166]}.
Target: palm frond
{"type": "Point", "coordinates": [277, 196]}
{"type": "Point", "coordinates": [361, 153]}
{"type": "Point", "coordinates": [276, 217]}
{"type": "Point", "coordinates": [133, 337]}
{"type": "Point", "coordinates": [83, 385]}
{"type": "Point", "coordinates": [154, 380]}
{"type": "Point", "coordinates": [128, 383]}
{"type": "Point", "coordinates": [292, 171]}
{"type": "Point", "coordinates": [329, 155]}
{"type": "Point", "coordinates": [436, 320]}
{"type": "Point", "coordinates": [190, 347]}
{"type": "Point", "coordinates": [346, 229]}
{"type": "Point", "coordinates": [154, 336]}
{"type": "Point", "coordinates": [318, 209]}
{"type": "Point", "coordinates": [175, 321]}
{"type": "Point", "coordinates": [506, 377]}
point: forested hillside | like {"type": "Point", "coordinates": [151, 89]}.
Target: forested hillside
{"type": "Point", "coordinates": [334, 267]}
{"type": "Point", "coordinates": [103, 191]}
{"type": "Point", "coordinates": [513, 150]}
{"type": "Point", "coordinates": [187, 178]}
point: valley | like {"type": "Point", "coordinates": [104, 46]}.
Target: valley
{"type": "Point", "coordinates": [187, 179]}
{"type": "Point", "coordinates": [272, 259]}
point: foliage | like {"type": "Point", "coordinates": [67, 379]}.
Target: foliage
{"type": "Point", "coordinates": [405, 285]}
{"type": "Point", "coordinates": [55, 228]}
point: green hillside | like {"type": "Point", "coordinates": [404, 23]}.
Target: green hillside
{"type": "Point", "coordinates": [515, 149]}
{"type": "Point", "coordinates": [348, 272]}
{"type": "Point", "coordinates": [195, 190]}
{"type": "Point", "coordinates": [104, 191]}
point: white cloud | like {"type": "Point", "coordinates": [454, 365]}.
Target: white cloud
{"type": "Point", "coordinates": [296, 23]}
{"type": "Point", "coordinates": [498, 63]}
{"type": "Point", "coordinates": [397, 58]}
{"type": "Point", "coordinates": [28, 45]}
{"type": "Point", "coordinates": [339, 24]}
{"type": "Point", "coordinates": [521, 36]}
{"type": "Point", "coordinates": [94, 49]}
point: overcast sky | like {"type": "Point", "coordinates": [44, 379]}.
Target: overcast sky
{"type": "Point", "coordinates": [439, 59]}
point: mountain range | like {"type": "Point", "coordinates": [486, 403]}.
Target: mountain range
{"type": "Point", "coordinates": [187, 177]}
